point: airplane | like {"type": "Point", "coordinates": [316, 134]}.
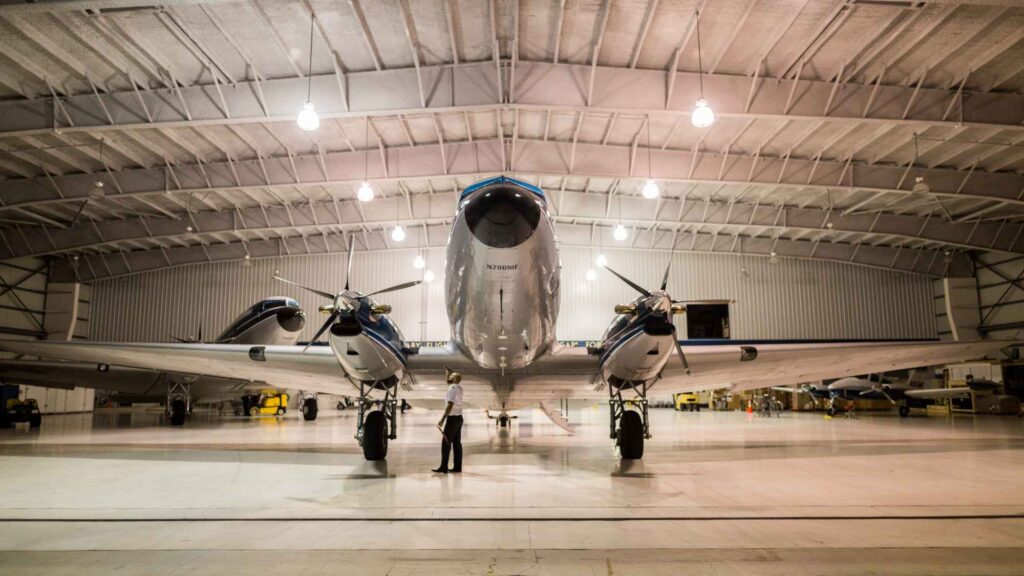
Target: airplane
{"type": "Point", "coordinates": [898, 392]}
{"type": "Point", "coordinates": [502, 294]}
{"type": "Point", "coordinates": [271, 321]}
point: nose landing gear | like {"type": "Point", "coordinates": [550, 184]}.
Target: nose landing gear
{"type": "Point", "coordinates": [310, 407]}
{"type": "Point", "coordinates": [629, 427]}
{"type": "Point", "coordinates": [377, 421]}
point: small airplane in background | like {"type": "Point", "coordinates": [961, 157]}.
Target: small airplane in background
{"type": "Point", "coordinates": [271, 321]}
{"type": "Point", "coordinates": [898, 391]}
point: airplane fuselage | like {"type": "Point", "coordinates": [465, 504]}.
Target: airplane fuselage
{"type": "Point", "coordinates": [502, 278]}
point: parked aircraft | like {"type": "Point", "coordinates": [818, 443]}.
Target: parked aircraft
{"type": "Point", "coordinates": [272, 321]}
{"type": "Point", "coordinates": [502, 284]}
{"type": "Point", "coordinates": [899, 392]}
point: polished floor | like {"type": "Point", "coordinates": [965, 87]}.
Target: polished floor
{"type": "Point", "coordinates": [717, 493]}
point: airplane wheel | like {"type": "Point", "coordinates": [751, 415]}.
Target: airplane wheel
{"type": "Point", "coordinates": [178, 413]}
{"type": "Point", "coordinates": [503, 421]}
{"type": "Point", "coordinates": [309, 409]}
{"type": "Point", "coordinates": [631, 436]}
{"type": "Point", "coordinates": [904, 411]}
{"type": "Point", "coordinates": [35, 421]}
{"type": "Point", "coordinates": [375, 436]}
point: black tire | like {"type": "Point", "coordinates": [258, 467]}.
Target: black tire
{"type": "Point", "coordinates": [35, 420]}
{"type": "Point", "coordinates": [177, 413]}
{"type": "Point", "coordinates": [904, 411]}
{"type": "Point", "coordinates": [310, 409]}
{"type": "Point", "coordinates": [375, 436]}
{"type": "Point", "coordinates": [631, 436]}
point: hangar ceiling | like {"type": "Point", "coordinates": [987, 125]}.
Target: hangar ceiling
{"type": "Point", "coordinates": [828, 114]}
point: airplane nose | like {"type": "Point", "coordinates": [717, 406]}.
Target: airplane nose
{"type": "Point", "coordinates": [502, 217]}
{"type": "Point", "coordinates": [291, 319]}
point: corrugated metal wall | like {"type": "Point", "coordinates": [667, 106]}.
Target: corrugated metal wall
{"type": "Point", "coordinates": [790, 299]}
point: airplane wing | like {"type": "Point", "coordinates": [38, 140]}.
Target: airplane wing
{"type": "Point", "coordinates": [746, 365]}
{"type": "Point", "coordinates": [316, 370]}
{"type": "Point", "coordinates": [730, 366]}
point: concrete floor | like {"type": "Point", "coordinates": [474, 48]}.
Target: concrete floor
{"type": "Point", "coordinates": [717, 493]}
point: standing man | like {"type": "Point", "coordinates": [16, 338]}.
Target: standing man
{"type": "Point", "coordinates": [451, 423]}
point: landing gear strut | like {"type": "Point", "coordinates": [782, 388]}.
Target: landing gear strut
{"type": "Point", "coordinates": [179, 400]}
{"type": "Point", "coordinates": [377, 421]}
{"type": "Point", "coordinates": [629, 428]}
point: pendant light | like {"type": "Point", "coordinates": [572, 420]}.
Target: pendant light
{"type": "Point", "coordinates": [428, 276]}
{"type": "Point", "coordinates": [308, 119]}
{"type": "Point", "coordinates": [419, 263]}
{"type": "Point", "coordinates": [398, 233]}
{"type": "Point", "coordinates": [620, 233]}
{"type": "Point", "coordinates": [365, 192]}
{"type": "Point", "coordinates": [650, 189]}
{"type": "Point", "coordinates": [97, 190]}
{"type": "Point", "coordinates": [601, 261]}
{"type": "Point", "coordinates": [702, 116]}
{"type": "Point", "coordinates": [591, 275]}
{"type": "Point", "coordinates": [920, 185]}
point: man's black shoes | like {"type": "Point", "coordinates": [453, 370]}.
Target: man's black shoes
{"type": "Point", "coordinates": [440, 470]}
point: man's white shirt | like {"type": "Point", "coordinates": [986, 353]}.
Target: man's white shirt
{"type": "Point", "coordinates": [454, 395]}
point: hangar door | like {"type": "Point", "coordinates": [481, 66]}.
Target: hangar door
{"type": "Point", "coordinates": [707, 321]}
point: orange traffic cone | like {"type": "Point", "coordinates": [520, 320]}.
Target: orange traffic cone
{"type": "Point", "coordinates": [750, 407]}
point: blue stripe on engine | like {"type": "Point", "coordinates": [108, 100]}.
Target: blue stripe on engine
{"type": "Point", "coordinates": [501, 180]}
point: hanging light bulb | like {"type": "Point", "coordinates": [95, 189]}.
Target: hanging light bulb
{"type": "Point", "coordinates": [247, 262]}
{"type": "Point", "coordinates": [591, 275]}
{"type": "Point", "coordinates": [703, 116]}
{"type": "Point", "coordinates": [620, 233]}
{"type": "Point", "coordinates": [601, 261]}
{"type": "Point", "coordinates": [419, 263]}
{"type": "Point", "coordinates": [773, 258]}
{"type": "Point", "coordinates": [97, 190]}
{"type": "Point", "coordinates": [650, 189]}
{"type": "Point", "coordinates": [365, 192]}
{"type": "Point", "coordinates": [428, 276]}
{"type": "Point", "coordinates": [308, 119]}
{"type": "Point", "coordinates": [398, 233]}
{"type": "Point", "coordinates": [920, 185]}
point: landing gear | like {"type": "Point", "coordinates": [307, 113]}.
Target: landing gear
{"type": "Point", "coordinates": [179, 400]}
{"type": "Point", "coordinates": [503, 420]}
{"type": "Point", "coordinates": [629, 428]}
{"type": "Point", "coordinates": [309, 409]}
{"type": "Point", "coordinates": [377, 421]}
{"type": "Point", "coordinates": [904, 411]}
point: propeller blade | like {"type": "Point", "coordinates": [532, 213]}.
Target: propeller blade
{"type": "Point", "coordinates": [704, 302]}
{"type": "Point", "coordinates": [348, 267]}
{"type": "Point", "coordinates": [327, 295]}
{"type": "Point", "coordinates": [664, 280]}
{"type": "Point", "coordinates": [679, 350]}
{"type": "Point", "coordinates": [320, 332]}
{"type": "Point", "coordinates": [631, 284]}
{"type": "Point", "coordinates": [401, 286]}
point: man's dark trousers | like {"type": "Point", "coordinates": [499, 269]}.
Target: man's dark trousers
{"type": "Point", "coordinates": [452, 438]}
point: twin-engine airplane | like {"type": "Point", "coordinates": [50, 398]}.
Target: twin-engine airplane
{"type": "Point", "coordinates": [502, 283]}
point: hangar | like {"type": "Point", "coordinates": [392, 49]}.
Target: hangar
{"type": "Point", "coordinates": [235, 234]}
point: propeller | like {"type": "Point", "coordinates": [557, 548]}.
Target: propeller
{"type": "Point", "coordinates": [344, 301]}
{"type": "Point", "coordinates": [188, 339]}
{"type": "Point", "coordinates": [648, 294]}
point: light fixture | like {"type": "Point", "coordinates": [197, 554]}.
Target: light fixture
{"type": "Point", "coordinates": [419, 263]}
{"type": "Point", "coordinates": [920, 185]}
{"type": "Point", "coordinates": [428, 276]}
{"type": "Point", "coordinates": [591, 275]}
{"type": "Point", "coordinates": [744, 272]}
{"type": "Point", "coordinates": [650, 189]}
{"type": "Point", "coordinates": [601, 261]}
{"type": "Point", "coordinates": [947, 257]}
{"type": "Point", "coordinates": [308, 119]}
{"type": "Point", "coordinates": [247, 262]}
{"type": "Point", "coordinates": [398, 233]}
{"type": "Point", "coordinates": [620, 233]}
{"type": "Point", "coordinates": [365, 192]}
{"type": "Point", "coordinates": [773, 258]}
{"type": "Point", "coordinates": [702, 116]}
{"type": "Point", "coordinates": [97, 190]}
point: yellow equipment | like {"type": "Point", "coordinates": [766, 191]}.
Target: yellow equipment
{"type": "Point", "coordinates": [686, 401]}
{"type": "Point", "coordinates": [266, 403]}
